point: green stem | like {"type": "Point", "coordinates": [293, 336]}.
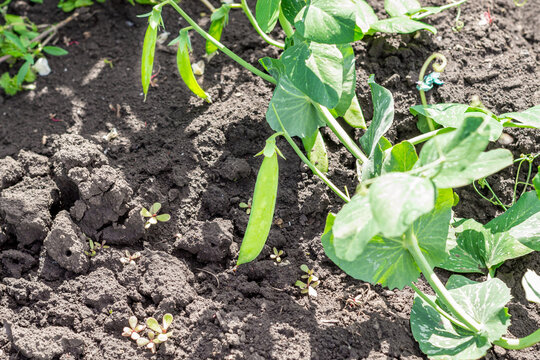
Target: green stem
{"type": "Point", "coordinates": [437, 68]}
{"type": "Point", "coordinates": [256, 26]}
{"type": "Point", "coordinates": [313, 168]}
{"type": "Point", "coordinates": [219, 45]}
{"type": "Point", "coordinates": [496, 197]}
{"type": "Point", "coordinates": [445, 7]}
{"type": "Point", "coordinates": [516, 181]}
{"type": "Point", "coordinates": [437, 285]}
{"type": "Point", "coordinates": [425, 137]}
{"type": "Point", "coordinates": [285, 24]}
{"type": "Point", "coordinates": [342, 134]}
{"type": "Point", "coordinates": [437, 307]}
{"type": "Point", "coordinates": [518, 344]}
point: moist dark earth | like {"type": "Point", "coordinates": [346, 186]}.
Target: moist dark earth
{"type": "Point", "coordinates": [61, 183]}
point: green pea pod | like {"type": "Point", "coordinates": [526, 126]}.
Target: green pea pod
{"type": "Point", "coordinates": [262, 206]}
{"type": "Point", "coordinates": [219, 18]}
{"type": "Point", "coordinates": [149, 49]}
{"type": "Point", "coordinates": [184, 66]}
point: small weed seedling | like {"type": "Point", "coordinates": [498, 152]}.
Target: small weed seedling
{"type": "Point", "coordinates": [134, 329]}
{"type": "Point", "coordinates": [153, 216]}
{"type": "Point", "coordinates": [95, 247]}
{"type": "Point", "coordinates": [246, 206]}
{"type": "Point", "coordinates": [156, 333]}
{"type": "Point", "coordinates": [311, 283]}
{"type": "Point", "coordinates": [129, 258]}
{"type": "Point", "coordinates": [276, 256]}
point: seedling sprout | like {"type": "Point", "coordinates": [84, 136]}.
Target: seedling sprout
{"type": "Point", "coordinates": [95, 247]}
{"type": "Point", "coordinates": [276, 256]}
{"type": "Point", "coordinates": [156, 333]}
{"type": "Point", "coordinates": [153, 216]}
{"type": "Point", "coordinates": [311, 283]}
{"type": "Point", "coordinates": [129, 259]}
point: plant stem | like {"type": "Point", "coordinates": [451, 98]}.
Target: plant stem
{"type": "Point", "coordinates": [437, 307]}
{"type": "Point", "coordinates": [437, 285]}
{"type": "Point", "coordinates": [257, 28]}
{"type": "Point", "coordinates": [342, 135]}
{"type": "Point", "coordinates": [437, 68]}
{"type": "Point", "coordinates": [208, 5]}
{"type": "Point", "coordinates": [285, 24]}
{"type": "Point", "coordinates": [448, 6]}
{"type": "Point", "coordinates": [219, 45]}
{"type": "Point", "coordinates": [425, 137]}
{"type": "Point", "coordinates": [518, 344]}
{"type": "Point", "coordinates": [313, 168]}
{"type": "Point", "coordinates": [52, 29]}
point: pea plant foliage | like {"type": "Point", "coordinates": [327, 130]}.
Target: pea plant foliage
{"type": "Point", "coordinates": [399, 222]}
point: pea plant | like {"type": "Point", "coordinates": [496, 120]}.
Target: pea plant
{"type": "Point", "coordinates": [23, 41]}
{"type": "Point", "coordinates": [399, 222]}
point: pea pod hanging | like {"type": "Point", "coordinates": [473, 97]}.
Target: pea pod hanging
{"type": "Point", "coordinates": [149, 48]}
{"type": "Point", "coordinates": [263, 204]}
{"type": "Point", "coordinates": [184, 65]}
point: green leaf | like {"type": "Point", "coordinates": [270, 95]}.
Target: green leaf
{"type": "Point", "coordinates": [291, 8]}
{"type": "Point", "coordinates": [327, 21]}
{"type": "Point", "coordinates": [383, 116]}
{"type": "Point", "coordinates": [154, 209]}
{"type": "Point", "coordinates": [400, 25]}
{"type": "Point", "coordinates": [536, 183]}
{"type": "Point", "coordinates": [146, 213]}
{"type": "Point", "coordinates": [485, 301]}
{"type": "Point", "coordinates": [353, 228]}
{"type": "Point", "coordinates": [15, 40]}
{"type": "Point", "coordinates": [316, 70]}
{"type": "Point", "coordinates": [373, 167]}
{"type": "Point", "coordinates": [349, 87]}
{"type": "Point", "coordinates": [22, 72]}
{"type": "Point", "coordinates": [167, 321]}
{"type": "Point", "coordinates": [354, 116]}
{"type": "Point", "coordinates": [528, 118]}
{"type": "Point", "coordinates": [153, 325]}
{"type": "Point", "coordinates": [531, 285]}
{"type": "Point", "coordinates": [453, 115]}
{"type": "Point", "coordinates": [431, 10]}
{"type": "Point", "coordinates": [401, 7]}
{"type": "Point", "coordinates": [365, 16]}
{"type": "Point", "coordinates": [163, 217]}
{"type": "Point", "coordinates": [528, 232]}
{"type": "Point", "coordinates": [460, 148]}
{"type": "Point", "coordinates": [477, 248]}
{"type": "Point", "coordinates": [386, 261]}
{"type": "Point", "coordinates": [267, 13]}
{"type": "Point", "coordinates": [55, 50]}
{"type": "Point", "coordinates": [398, 199]}
{"type": "Point", "coordinates": [9, 84]}
{"type": "Point", "coordinates": [401, 158]}
{"type": "Point", "coordinates": [298, 114]}
{"type": "Point", "coordinates": [262, 207]}
{"type": "Point", "coordinates": [527, 206]}
{"type": "Point", "coordinates": [316, 151]}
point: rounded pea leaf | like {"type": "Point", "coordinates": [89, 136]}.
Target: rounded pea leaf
{"type": "Point", "coordinates": [267, 13]}
{"type": "Point", "coordinates": [401, 158]}
{"type": "Point", "coordinates": [327, 21]}
{"type": "Point", "coordinates": [398, 199]}
{"type": "Point", "coordinates": [262, 210]}
{"type": "Point", "coordinates": [298, 114]}
{"type": "Point", "coordinates": [386, 261]}
{"type": "Point", "coordinates": [353, 228]}
{"type": "Point", "coordinates": [531, 284]}
{"type": "Point", "coordinates": [400, 25]}
{"type": "Point", "coordinates": [316, 70]}
{"type": "Point", "coordinates": [485, 302]}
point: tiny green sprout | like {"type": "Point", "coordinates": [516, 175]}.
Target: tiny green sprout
{"type": "Point", "coordinates": [153, 216]}
{"type": "Point", "coordinates": [246, 206]}
{"type": "Point", "coordinates": [95, 247]}
{"type": "Point", "coordinates": [130, 258]}
{"type": "Point", "coordinates": [110, 311]}
{"type": "Point", "coordinates": [311, 283]}
{"type": "Point", "coordinates": [276, 256]}
{"type": "Point", "coordinates": [134, 329]}
{"type": "Point", "coordinates": [157, 333]}
{"type": "Point", "coordinates": [108, 62]}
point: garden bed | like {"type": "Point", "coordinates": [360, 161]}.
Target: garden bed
{"type": "Point", "coordinates": [62, 179]}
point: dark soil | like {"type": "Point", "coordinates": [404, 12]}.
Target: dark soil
{"type": "Point", "coordinates": [61, 182]}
